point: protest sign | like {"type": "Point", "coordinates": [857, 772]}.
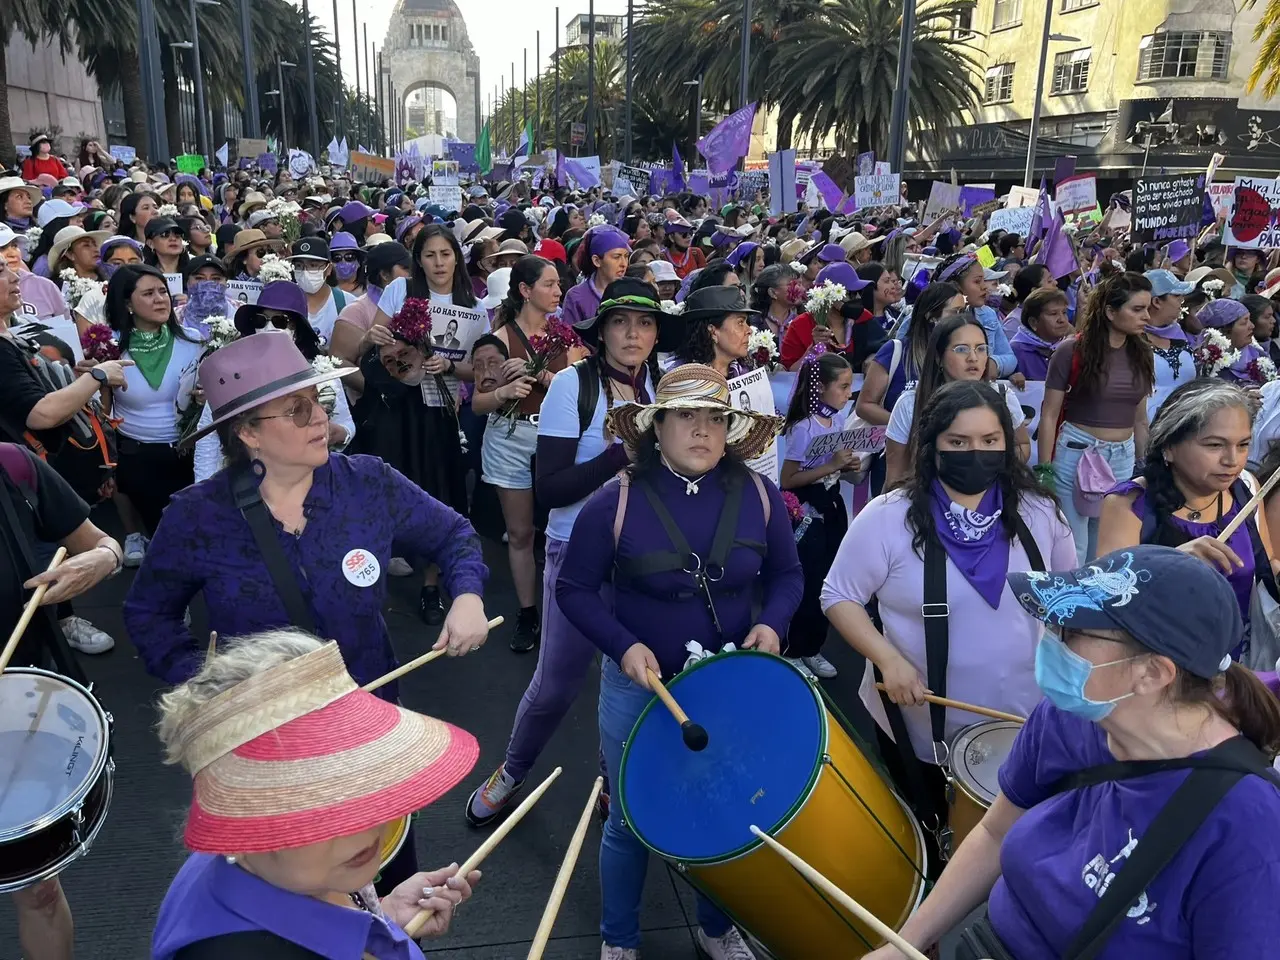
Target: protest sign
{"type": "Point", "coordinates": [1078, 193]}
{"type": "Point", "coordinates": [752, 391]}
{"type": "Point", "coordinates": [190, 163]}
{"type": "Point", "coordinates": [1031, 399]}
{"type": "Point", "coordinates": [174, 282]}
{"type": "Point", "coordinates": [367, 168]}
{"type": "Point", "coordinates": [1220, 197]}
{"type": "Point", "coordinates": [882, 169]}
{"type": "Point", "coordinates": [454, 330]}
{"type": "Point", "coordinates": [59, 332]}
{"type": "Point", "coordinates": [1016, 220]}
{"type": "Point", "coordinates": [876, 191]}
{"type": "Point", "coordinates": [973, 195]}
{"type": "Point", "coordinates": [1022, 197]}
{"type": "Point", "coordinates": [942, 196]}
{"type": "Point", "coordinates": [243, 291]}
{"type": "Point", "coordinates": [866, 164]}
{"type": "Point", "coordinates": [866, 439]}
{"type": "Point", "coordinates": [251, 147]}
{"type": "Point", "coordinates": [1168, 207]}
{"type": "Point", "coordinates": [448, 197]}
{"type": "Point", "coordinates": [444, 173]}
{"type": "Point", "coordinates": [841, 172]}
{"type": "Point", "coordinates": [124, 153]}
{"type": "Point", "coordinates": [636, 180]}
{"type": "Point", "coordinates": [752, 182]}
{"type": "Point", "coordinates": [1255, 205]}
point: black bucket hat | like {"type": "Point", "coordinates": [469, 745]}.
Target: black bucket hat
{"type": "Point", "coordinates": [703, 305]}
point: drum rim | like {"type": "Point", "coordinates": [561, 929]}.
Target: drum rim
{"type": "Point", "coordinates": [407, 819]}
{"type": "Point", "coordinates": [82, 850]}
{"type": "Point", "coordinates": [99, 765]}
{"type": "Point", "coordinates": [960, 774]}
{"type": "Point", "coordinates": [755, 842]}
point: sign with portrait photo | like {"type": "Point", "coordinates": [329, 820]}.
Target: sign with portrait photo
{"type": "Point", "coordinates": [752, 392]}
{"type": "Point", "coordinates": [454, 330]}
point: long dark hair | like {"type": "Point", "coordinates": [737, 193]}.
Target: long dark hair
{"type": "Point", "coordinates": [924, 317]}
{"type": "Point", "coordinates": [1093, 341]}
{"type": "Point", "coordinates": [933, 372]}
{"type": "Point", "coordinates": [1016, 479]}
{"type": "Point", "coordinates": [870, 271]}
{"type": "Point", "coordinates": [120, 288]}
{"type": "Point", "coordinates": [815, 375]}
{"type": "Point", "coordinates": [1028, 279]}
{"type": "Point", "coordinates": [463, 294]}
{"type": "Point", "coordinates": [528, 270]}
{"type": "Point", "coordinates": [128, 205]}
{"type": "Point", "coordinates": [698, 346]}
{"type": "Point", "coordinates": [712, 275]}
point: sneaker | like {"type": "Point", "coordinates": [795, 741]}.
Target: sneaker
{"type": "Point", "coordinates": [135, 549]}
{"type": "Point", "coordinates": [820, 665]}
{"type": "Point", "coordinates": [431, 607]}
{"type": "Point", "coordinates": [85, 637]}
{"type": "Point", "coordinates": [487, 802]}
{"type": "Point", "coordinates": [729, 947]}
{"type": "Point", "coordinates": [526, 636]}
{"type": "Point", "coordinates": [399, 567]}
{"type": "Point", "coordinates": [800, 664]}
{"type": "Point", "coordinates": [618, 953]}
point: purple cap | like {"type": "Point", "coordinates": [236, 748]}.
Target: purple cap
{"type": "Point", "coordinates": [354, 210]}
{"type": "Point", "coordinates": [841, 273]}
{"type": "Point", "coordinates": [832, 253]}
{"type": "Point", "coordinates": [407, 224]}
{"type": "Point", "coordinates": [1176, 250]}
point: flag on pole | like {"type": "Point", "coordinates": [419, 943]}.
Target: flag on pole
{"type": "Point", "coordinates": [1041, 217]}
{"type": "Point", "coordinates": [677, 164]}
{"type": "Point", "coordinates": [524, 148]}
{"type": "Point", "coordinates": [1057, 253]}
{"type": "Point", "coordinates": [584, 177]}
{"type": "Point", "coordinates": [222, 153]}
{"type": "Point", "coordinates": [729, 140]}
{"type": "Point", "coordinates": [484, 157]}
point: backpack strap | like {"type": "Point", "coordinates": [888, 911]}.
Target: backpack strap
{"type": "Point", "coordinates": [896, 359]}
{"type": "Point", "coordinates": [620, 514]}
{"type": "Point", "coordinates": [248, 500]}
{"type": "Point", "coordinates": [588, 393]}
{"type": "Point", "coordinates": [765, 503]}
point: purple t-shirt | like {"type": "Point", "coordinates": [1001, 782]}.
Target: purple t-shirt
{"type": "Point", "coordinates": [1215, 900]}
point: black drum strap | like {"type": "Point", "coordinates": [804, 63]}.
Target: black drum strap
{"type": "Point", "coordinates": [248, 500]}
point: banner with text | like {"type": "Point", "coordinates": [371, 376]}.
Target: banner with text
{"type": "Point", "coordinates": [1255, 205]}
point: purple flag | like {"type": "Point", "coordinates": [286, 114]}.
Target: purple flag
{"type": "Point", "coordinates": [1057, 253]}
{"type": "Point", "coordinates": [584, 177]}
{"type": "Point", "coordinates": [729, 140]}
{"type": "Point", "coordinates": [267, 161]}
{"type": "Point", "coordinates": [971, 197]}
{"type": "Point", "coordinates": [677, 165]}
{"type": "Point", "coordinates": [1041, 215]}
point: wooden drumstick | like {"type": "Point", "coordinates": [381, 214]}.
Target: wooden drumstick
{"type": "Point", "coordinates": [695, 737]}
{"type": "Point", "coordinates": [842, 898]}
{"type": "Point", "coordinates": [971, 707]}
{"type": "Point", "coordinates": [1254, 502]}
{"type": "Point", "coordinates": [414, 926]}
{"type": "Point", "coordinates": [29, 611]}
{"type": "Point", "coordinates": [213, 645]}
{"type": "Point", "coordinates": [414, 664]}
{"type": "Point", "coordinates": [562, 878]}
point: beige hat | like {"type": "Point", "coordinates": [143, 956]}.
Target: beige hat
{"type": "Point", "coordinates": [1218, 273]}
{"type": "Point", "coordinates": [246, 239]}
{"type": "Point", "coordinates": [477, 231]}
{"type": "Point", "coordinates": [253, 200]}
{"type": "Point", "coordinates": [508, 248]}
{"type": "Point", "coordinates": [17, 183]}
{"type": "Point", "coordinates": [65, 237]}
{"type": "Point", "coordinates": [857, 241]}
{"type": "Point", "coordinates": [792, 249]}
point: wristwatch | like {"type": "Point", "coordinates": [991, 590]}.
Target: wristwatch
{"type": "Point", "coordinates": [99, 374]}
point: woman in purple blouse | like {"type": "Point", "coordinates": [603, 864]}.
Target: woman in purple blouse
{"type": "Point", "coordinates": [602, 257]}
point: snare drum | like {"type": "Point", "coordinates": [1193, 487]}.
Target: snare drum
{"type": "Point", "coordinates": [392, 840]}
{"type": "Point", "coordinates": [56, 774]}
{"type": "Point", "coordinates": [973, 763]}
{"type": "Point", "coordinates": [777, 759]}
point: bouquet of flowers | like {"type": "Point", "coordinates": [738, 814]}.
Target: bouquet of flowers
{"type": "Point", "coordinates": [328, 391]}
{"type": "Point", "coordinates": [558, 339]}
{"type": "Point", "coordinates": [596, 220]}
{"type": "Point", "coordinates": [671, 308]}
{"type": "Point", "coordinates": [1212, 288]}
{"type": "Point", "coordinates": [762, 348]}
{"type": "Point", "coordinates": [412, 324]}
{"type": "Point", "coordinates": [167, 210]}
{"type": "Point", "coordinates": [822, 300]}
{"type": "Point", "coordinates": [1260, 370]}
{"type": "Point", "coordinates": [273, 268]}
{"type": "Point", "coordinates": [75, 287]}
{"type": "Point", "coordinates": [287, 214]}
{"type": "Point", "coordinates": [221, 331]}
{"type": "Point", "coordinates": [99, 343]}
{"type": "Point", "coordinates": [794, 508]}
{"type": "Point", "coordinates": [32, 238]}
{"type": "Point", "coordinates": [1214, 353]}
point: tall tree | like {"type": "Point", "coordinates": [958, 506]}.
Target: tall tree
{"type": "Point", "coordinates": [1266, 69]}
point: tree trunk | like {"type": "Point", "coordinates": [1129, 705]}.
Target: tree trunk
{"type": "Point", "coordinates": [135, 108]}
{"type": "Point", "coordinates": [7, 150]}
{"type": "Point", "coordinates": [172, 103]}
{"type": "Point", "coordinates": [786, 123]}
{"type": "Point", "coordinates": [217, 122]}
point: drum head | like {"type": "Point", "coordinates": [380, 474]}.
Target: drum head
{"type": "Point", "coordinates": [978, 752]}
{"type": "Point", "coordinates": [52, 749]}
{"type": "Point", "coordinates": [767, 734]}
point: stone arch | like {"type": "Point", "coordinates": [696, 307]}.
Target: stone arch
{"type": "Point", "coordinates": [459, 105]}
{"type": "Point", "coordinates": [427, 46]}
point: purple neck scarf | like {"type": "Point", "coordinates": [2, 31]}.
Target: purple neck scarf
{"type": "Point", "coordinates": [974, 540]}
{"type": "Point", "coordinates": [1170, 331]}
{"type": "Point", "coordinates": [374, 293]}
{"type": "Point", "coordinates": [637, 385]}
{"type": "Point", "coordinates": [1024, 334]}
{"type": "Point", "coordinates": [826, 410]}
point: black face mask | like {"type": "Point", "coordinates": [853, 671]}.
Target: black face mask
{"type": "Point", "coordinates": [852, 309]}
{"type": "Point", "coordinates": [970, 471]}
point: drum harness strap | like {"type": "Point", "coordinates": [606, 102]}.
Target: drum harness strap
{"type": "Point", "coordinates": [704, 573]}
{"type": "Point", "coordinates": [248, 500]}
{"type": "Point", "coordinates": [1213, 774]}
{"type": "Point", "coordinates": [936, 613]}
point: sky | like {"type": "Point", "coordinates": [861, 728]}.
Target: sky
{"type": "Point", "coordinates": [489, 25]}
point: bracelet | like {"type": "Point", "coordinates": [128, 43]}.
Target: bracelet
{"type": "Point", "coordinates": [117, 557]}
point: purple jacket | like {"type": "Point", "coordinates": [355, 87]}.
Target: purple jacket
{"type": "Point", "coordinates": [581, 303]}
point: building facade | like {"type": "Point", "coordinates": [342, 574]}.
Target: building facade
{"type": "Point", "coordinates": [1159, 83]}
{"type": "Point", "coordinates": [48, 91]}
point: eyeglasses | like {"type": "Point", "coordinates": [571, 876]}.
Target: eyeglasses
{"type": "Point", "coordinates": [963, 350]}
{"type": "Point", "coordinates": [300, 414]}
{"type": "Point", "coordinates": [260, 252]}
{"type": "Point", "coordinates": [280, 321]}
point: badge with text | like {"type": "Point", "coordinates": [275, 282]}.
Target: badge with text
{"type": "Point", "coordinates": [361, 568]}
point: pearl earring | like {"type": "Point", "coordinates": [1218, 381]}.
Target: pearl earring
{"type": "Point", "coordinates": [231, 860]}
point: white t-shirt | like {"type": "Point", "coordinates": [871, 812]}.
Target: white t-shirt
{"type": "Point", "coordinates": [454, 330]}
{"type": "Point", "coordinates": [559, 418]}
{"type": "Point", "coordinates": [899, 429]}
{"type": "Point", "coordinates": [322, 320]}
{"type": "Point", "coordinates": [149, 415]}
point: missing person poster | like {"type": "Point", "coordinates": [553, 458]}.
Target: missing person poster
{"type": "Point", "coordinates": [752, 392]}
{"type": "Point", "coordinates": [453, 332]}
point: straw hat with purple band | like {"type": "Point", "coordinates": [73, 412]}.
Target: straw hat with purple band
{"type": "Point", "coordinates": [251, 371]}
{"type": "Point", "coordinates": [694, 386]}
{"type": "Point", "coordinates": [298, 754]}
{"type": "Point", "coordinates": [248, 239]}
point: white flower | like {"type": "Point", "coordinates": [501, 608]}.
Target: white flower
{"type": "Point", "coordinates": [281, 206]}
{"type": "Point", "coordinates": [825, 298]}
{"type": "Point", "coordinates": [762, 339]}
{"type": "Point", "coordinates": [273, 268]}
{"type": "Point", "coordinates": [68, 274]}
{"type": "Point", "coordinates": [1117, 265]}
{"type": "Point", "coordinates": [167, 210]}
{"type": "Point", "coordinates": [76, 288]}
{"type": "Point", "coordinates": [1266, 368]}
{"type": "Point", "coordinates": [1004, 290]}
{"type": "Point", "coordinates": [32, 236]}
{"type": "Point", "coordinates": [1226, 357]}
{"type": "Point", "coordinates": [798, 268]}
{"type": "Point", "coordinates": [221, 330]}
{"type": "Point", "coordinates": [597, 220]}
{"type": "Point", "coordinates": [1213, 288]}
{"type": "Point", "coordinates": [672, 308]}
{"type": "Point", "coordinates": [327, 391]}
{"type": "Point", "coordinates": [1070, 229]}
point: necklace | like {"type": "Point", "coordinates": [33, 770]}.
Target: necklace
{"type": "Point", "coordinates": [1194, 515]}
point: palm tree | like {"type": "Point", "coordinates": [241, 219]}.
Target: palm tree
{"type": "Point", "coordinates": [1266, 69]}
{"type": "Point", "coordinates": [837, 72]}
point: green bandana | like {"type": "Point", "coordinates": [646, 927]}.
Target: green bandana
{"type": "Point", "coordinates": [151, 353]}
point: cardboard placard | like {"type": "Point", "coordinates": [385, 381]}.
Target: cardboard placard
{"type": "Point", "coordinates": [444, 173]}
{"type": "Point", "coordinates": [368, 168]}
{"type": "Point", "coordinates": [1077, 194]}
{"type": "Point", "coordinates": [1016, 220]}
{"type": "Point", "coordinates": [448, 197]}
{"type": "Point", "coordinates": [1022, 197]}
{"type": "Point", "coordinates": [877, 191]}
{"type": "Point", "coordinates": [1165, 208]}
{"type": "Point", "coordinates": [1255, 206]}
{"type": "Point", "coordinates": [243, 291]}
{"type": "Point", "coordinates": [841, 172]}
{"type": "Point", "coordinates": [1220, 196]}
{"type": "Point", "coordinates": [453, 332]}
{"type": "Point", "coordinates": [174, 282]}
{"type": "Point", "coordinates": [942, 196]}
{"type": "Point", "coordinates": [752, 391]}
{"type": "Point", "coordinates": [866, 439]}
{"type": "Point", "coordinates": [123, 153]}
{"type": "Point", "coordinates": [251, 147]}
{"type": "Point", "coordinates": [190, 163]}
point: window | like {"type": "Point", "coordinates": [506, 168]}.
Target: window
{"type": "Point", "coordinates": [999, 88]}
{"type": "Point", "coordinates": [1008, 13]}
{"type": "Point", "coordinates": [1191, 54]}
{"type": "Point", "coordinates": [444, 34]}
{"type": "Point", "coordinates": [1071, 72]}
{"type": "Point", "coordinates": [963, 27]}
{"type": "Point", "coordinates": [1069, 5]}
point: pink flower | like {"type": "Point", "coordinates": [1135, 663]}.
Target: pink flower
{"type": "Point", "coordinates": [412, 323]}
{"type": "Point", "coordinates": [99, 343]}
{"type": "Point", "coordinates": [794, 508]}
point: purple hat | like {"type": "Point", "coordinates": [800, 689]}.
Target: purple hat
{"type": "Point", "coordinates": [405, 225]}
{"type": "Point", "coordinates": [251, 371]}
{"type": "Point", "coordinates": [116, 241]}
{"type": "Point", "coordinates": [679, 225]}
{"type": "Point", "coordinates": [195, 183]}
{"type": "Point", "coordinates": [831, 253]}
{"type": "Point", "coordinates": [1222, 313]}
{"type": "Point", "coordinates": [277, 295]}
{"type": "Point", "coordinates": [605, 239]}
{"type": "Point", "coordinates": [841, 273]}
{"type": "Point", "coordinates": [344, 241]}
{"type": "Point", "coordinates": [741, 252]}
{"type": "Point", "coordinates": [1176, 250]}
{"type": "Point", "coordinates": [354, 210]}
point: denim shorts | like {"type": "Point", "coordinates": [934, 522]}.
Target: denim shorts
{"type": "Point", "coordinates": [505, 454]}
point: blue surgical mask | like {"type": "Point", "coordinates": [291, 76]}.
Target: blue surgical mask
{"type": "Point", "coordinates": [1061, 674]}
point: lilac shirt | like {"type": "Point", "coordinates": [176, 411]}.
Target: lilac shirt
{"type": "Point", "coordinates": [1216, 899]}
{"type": "Point", "coordinates": [581, 303]}
{"type": "Point", "coordinates": [992, 658]}
{"type": "Point", "coordinates": [40, 295]}
{"type": "Point", "coordinates": [803, 433]}
{"type": "Point", "coordinates": [210, 897]}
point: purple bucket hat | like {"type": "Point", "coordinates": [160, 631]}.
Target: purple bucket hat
{"type": "Point", "coordinates": [344, 241]}
{"type": "Point", "coordinates": [831, 253]}
{"type": "Point", "coordinates": [276, 295]}
{"type": "Point", "coordinates": [354, 210]}
{"type": "Point", "coordinates": [841, 273]}
{"type": "Point", "coordinates": [1221, 313]}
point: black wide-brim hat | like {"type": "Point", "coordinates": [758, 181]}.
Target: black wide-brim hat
{"type": "Point", "coordinates": [701, 306]}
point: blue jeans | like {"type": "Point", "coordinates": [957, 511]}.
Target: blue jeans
{"type": "Point", "coordinates": [1066, 459]}
{"type": "Point", "coordinates": [623, 858]}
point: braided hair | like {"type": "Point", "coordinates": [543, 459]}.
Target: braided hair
{"type": "Point", "coordinates": [819, 370]}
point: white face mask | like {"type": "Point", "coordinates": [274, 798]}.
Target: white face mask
{"type": "Point", "coordinates": [309, 280]}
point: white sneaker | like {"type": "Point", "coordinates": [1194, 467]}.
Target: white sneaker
{"type": "Point", "coordinates": [729, 947]}
{"type": "Point", "coordinates": [821, 666]}
{"type": "Point", "coordinates": [618, 953]}
{"type": "Point", "coordinates": [399, 567]}
{"type": "Point", "coordinates": [800, 664]}
{"type": "Point", "coordinates": [135, 549]}
{"type": "Point", "coordinates": [85, 637]}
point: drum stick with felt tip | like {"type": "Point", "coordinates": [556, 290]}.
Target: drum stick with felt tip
{"type": "Point", "coordinates": [1254, 502]}
{"type": "Point", "coordinates": [414, 926]}
{"type": "Point", "coordinates": [970, 707]}
{"type": "Point", "coordinates": [562, 878]}
{"type": "Point", "coordinates": [695, 737]}
{"type": "Point", "coordinates": [29, 611]}
{"type": "Point", "coordinates": [842, 898]}
{"type": "Point", "coordinates": [414, 664]}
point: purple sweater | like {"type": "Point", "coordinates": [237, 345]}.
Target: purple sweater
{"type": "Point", "coordinates": [581, 303]}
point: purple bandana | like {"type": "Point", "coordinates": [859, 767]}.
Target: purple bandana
{"type": "Point", "coordinates": [826, 410]}
{"type": "Point", "coordinates": [974, 540]}
{"type": "Point", "coordinates": [604, 239]}
{"type": "Point", "coordinates": [1170, 331]}
{"type": "Point", "coordinates": [375, 294]}
{"type": "Point", "coordinates": [637, 385]}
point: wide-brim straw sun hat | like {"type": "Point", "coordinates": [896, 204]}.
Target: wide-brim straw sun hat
{"type": "Point", "coordinates": [68, 235]}
{"type": "Point", "coordinates": [694, 386]}
{"type": "Point", "coordinates": [298, 754]}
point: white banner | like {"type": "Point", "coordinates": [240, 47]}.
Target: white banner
{"type": "Point", "coordinates": [449, 197]}
{"type": "Point", "coordinates": [752, 392]}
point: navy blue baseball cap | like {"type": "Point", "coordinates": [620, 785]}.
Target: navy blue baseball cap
{"type": "Point", "coordinates": [1172, 603]}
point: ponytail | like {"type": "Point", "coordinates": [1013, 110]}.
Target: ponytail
{"type": "Point", "coordinates": [1251, 708]}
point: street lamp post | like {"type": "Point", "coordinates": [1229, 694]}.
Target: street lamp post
{"type": "Point", "coordinates": [313, 125]}
{"type": "Point", "coordinates": [185, 45]}
{"type": "Point", "coordinates": [555, 124]}
{"type": "Point", "coordinates": [252, 124]}
{"type": "Point", "coordinates": [591, 77]}
{"type": "Point", "coordinates": [284, 117]}
{"type": "Point", "coordinates": [337, 65]}
{"type": "Point", "coordinates": [630, 53]}
{"type": "Point", "coordinates": [1034, 133]}
{"type": "Point", "coordinates": [202, 124]}
{"type": "Point", "coordinates": [902, 90]}
{"type": "Point", "coordinates": [697, 117]}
